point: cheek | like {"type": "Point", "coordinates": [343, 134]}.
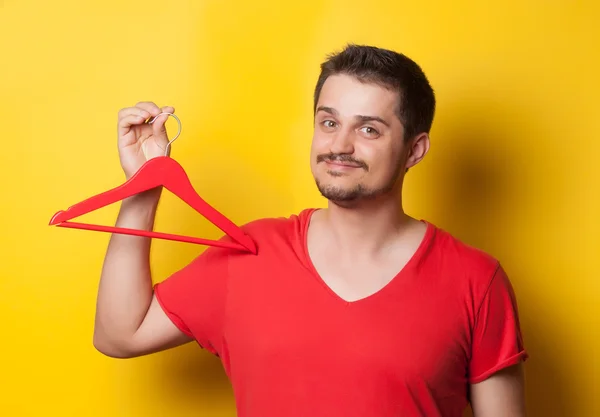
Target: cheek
{"type": "Point", "coordinates": [320, 144]}
{"type": "Point", "coordinates": [316, 149]}
{"type": "Point", "coordinates": [375, 154]}
{"type": "Point", "coordinates": [382, 162]}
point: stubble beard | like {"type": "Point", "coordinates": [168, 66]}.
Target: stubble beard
{"type": "Point", "coordinates": [347, 196]}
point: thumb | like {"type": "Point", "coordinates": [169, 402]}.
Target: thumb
{"type": "Point", "coordinates": [158, 125]}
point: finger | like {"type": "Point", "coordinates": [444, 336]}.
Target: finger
{"type": "Point", "coordinates": [159, 121]}
{"type": "Point", "coordinates": [158, 125]}
{"type": "Point", "coordinates": [149, 106]}
{"type": "Point", "coordinates": [133, 111]}
{"type": "Point", "coordinates": [129, 120]}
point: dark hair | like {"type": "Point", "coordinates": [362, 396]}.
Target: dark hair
{"type": "Point", "coordinates": [390, 70]}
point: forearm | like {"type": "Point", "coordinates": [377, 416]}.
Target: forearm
{"type": "Point", "coordinates": [125, 289]}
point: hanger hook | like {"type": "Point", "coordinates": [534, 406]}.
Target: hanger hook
{"type": "Point", "coordinates": [178, 131]}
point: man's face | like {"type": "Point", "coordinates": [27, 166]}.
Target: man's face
{"type": "Point", "coordinates": [358, 151]}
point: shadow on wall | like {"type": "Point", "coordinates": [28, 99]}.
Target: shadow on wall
{"type": "Point", "coordinates": [480, 176]}
{"type": "Point", "coordinates": [196, 378]}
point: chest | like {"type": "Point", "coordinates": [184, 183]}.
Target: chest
{"type": "Point", "coordinates": [289, 321]}
{"type": "Point", "coordinates": [352, 281]}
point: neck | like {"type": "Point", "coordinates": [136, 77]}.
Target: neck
{"type": "Point", "coordinates": [367, 227]}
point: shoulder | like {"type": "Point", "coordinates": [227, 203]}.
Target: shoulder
{"type": "Point", "coordinates": [470, 273]}
{"type": "Point", "coordinates": [267, 225]}
{"type": "Point", "coordinates": [466, 268]}
{"type": "Point", "coordinates": [457, 255]}
{"type": "Point", "coordinates": [272, 235]}
{"type": "Point", "coordinates": [273, 229]}
{"type": "Point", "coordinates": [269, 234]}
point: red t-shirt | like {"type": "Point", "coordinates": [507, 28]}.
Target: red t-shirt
{"type": "Point", "coordinates": [291, 347]}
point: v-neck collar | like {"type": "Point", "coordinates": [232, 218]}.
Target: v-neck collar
{"type": "Point", "coordinates": [396, 280]}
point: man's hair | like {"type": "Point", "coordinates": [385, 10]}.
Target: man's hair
{"type": "Point", "coordinates": [390, 70]}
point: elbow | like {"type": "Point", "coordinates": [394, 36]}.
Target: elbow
{"type": "Point", "coordinates": [111, 349]}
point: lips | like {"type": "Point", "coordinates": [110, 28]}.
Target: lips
{"type": "Point", "coordinates": [342, 164]}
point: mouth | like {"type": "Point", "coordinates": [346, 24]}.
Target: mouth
{"type": "Point", "coordinates": [339, 164]}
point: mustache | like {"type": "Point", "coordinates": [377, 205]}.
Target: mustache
{"type": "Point", "coordinates": [340, 157]}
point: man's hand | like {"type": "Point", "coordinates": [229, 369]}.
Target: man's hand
{"type": "Point", "coordinates": [138, 140]}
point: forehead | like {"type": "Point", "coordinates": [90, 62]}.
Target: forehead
{"type": "Point", "coordinates": [350, 96]}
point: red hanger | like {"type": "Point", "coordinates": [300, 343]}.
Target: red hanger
{"type": "Point", "coordinates": [159, 171]}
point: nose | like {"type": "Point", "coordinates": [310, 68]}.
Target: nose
{"type": "Point", "coordinates": [342, 143]}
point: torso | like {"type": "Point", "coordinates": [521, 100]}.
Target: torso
{"type": "Point", "coordinates": [296, 344]}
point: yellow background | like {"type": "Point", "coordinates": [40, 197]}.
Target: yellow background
{"type": "Point", "coordinates": [513, 169]}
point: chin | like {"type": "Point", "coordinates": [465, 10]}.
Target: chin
{"type": "Point", "coordinates": [345, 192]}
{"type": "Point", "coordinates": [339, 192]}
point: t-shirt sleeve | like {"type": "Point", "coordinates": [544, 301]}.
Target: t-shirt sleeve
{"type": "Point", "coordinates": [194, 297]}
{"type": "Point", "coordinates": [497, 340]}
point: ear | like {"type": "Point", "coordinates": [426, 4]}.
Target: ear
{"type": "Point", "coordinates": [417, 149]}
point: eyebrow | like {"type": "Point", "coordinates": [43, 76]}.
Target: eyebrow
{"type": "Point", "coordinates": [362, 118]}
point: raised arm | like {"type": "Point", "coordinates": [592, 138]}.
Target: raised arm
{"type": "Point", "coordinates": [129, 321]}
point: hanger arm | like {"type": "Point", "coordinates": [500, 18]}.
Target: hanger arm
{"type": "Point", "coordinates": [159, 171]}
{"type": "Point", "coordinates": [152, 234]}
{"type": "Point", "coordinates": [149, 176]}
{"type": "Point", "coordinates": [179, 184]}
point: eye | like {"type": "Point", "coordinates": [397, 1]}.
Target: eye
{"type": "Point", "coordinates": [328, 123]}
{"type": "Point", "coordinates": [370, 131]}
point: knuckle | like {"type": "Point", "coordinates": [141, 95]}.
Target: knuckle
{"type": "Point", "coordinates": [149, 106]}
{"type": "Point", "coordinates": [126, 111]}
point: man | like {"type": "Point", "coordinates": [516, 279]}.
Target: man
{"type": "Point", "coordinates": [353, 310]}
